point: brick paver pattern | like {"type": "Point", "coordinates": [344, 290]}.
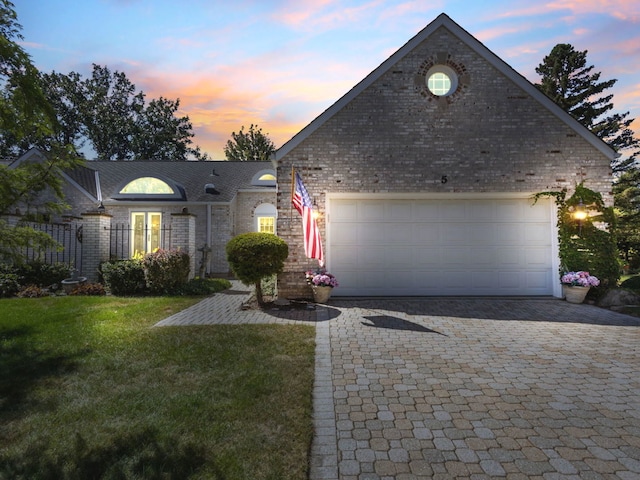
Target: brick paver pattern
{"type": "Point", "coordinates": [420, 394]}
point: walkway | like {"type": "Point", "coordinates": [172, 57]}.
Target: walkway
{"type": "Point", "coordinates": [465, 387]}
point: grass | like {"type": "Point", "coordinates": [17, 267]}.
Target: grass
{"type": "Point", "coordinates": [88, 390]}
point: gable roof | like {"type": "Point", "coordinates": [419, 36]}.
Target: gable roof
{"type": "Point", "coordinates": [445, 21]}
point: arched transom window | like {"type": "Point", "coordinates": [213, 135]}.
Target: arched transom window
{"type": "Point", "coordinates": [148, 186]}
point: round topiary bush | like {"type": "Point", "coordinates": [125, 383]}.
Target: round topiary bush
{"type": "Point", "coordinates": [254, 256]}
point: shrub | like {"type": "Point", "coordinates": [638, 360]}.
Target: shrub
{"type": "Point", "coordinates": [124, 277]}
{"type": "Point", "coordinates": [9, 284]}
{"type": "Point", "coordinates": [254, 256]}
{"type": "Point", "coordinates": [166, 270]}
{"type": "Point", "coordinates": [42, 274]}
{"type": "Point", "coordinates": [33, 291]}
{"type": "Point", "coordinates": [204, 286]}
{"type": "Point", "coordinates": [88, 289]}
{"type": "Point", "coordinates": [632, 283]}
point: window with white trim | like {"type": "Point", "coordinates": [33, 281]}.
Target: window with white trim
{"type": "Point", "coordinates": [265, 218]}
{"type": "Point", "coordinates": [146, 232]}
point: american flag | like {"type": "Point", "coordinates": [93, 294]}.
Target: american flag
{"type": "Point", "coordinates": [302, 203]}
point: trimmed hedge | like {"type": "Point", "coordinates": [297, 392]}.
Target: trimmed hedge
{"type": "Point", "coordinates": [166, 270]}
{"type": "Point", "coordinates": [124, 277]}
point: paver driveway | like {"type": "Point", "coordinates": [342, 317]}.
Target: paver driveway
{"type": "Point", "coordinates": [480, 388]}
{"type": "Point", "coordinates": [464, 387]}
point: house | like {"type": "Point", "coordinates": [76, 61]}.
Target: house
{"type": "Point", "coordinates": [141, 206]}
{"type": "Point", "coordinates": [424, 172]}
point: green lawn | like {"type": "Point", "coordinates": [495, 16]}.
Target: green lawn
{"type": "Point", "coordinates": [89, 390]}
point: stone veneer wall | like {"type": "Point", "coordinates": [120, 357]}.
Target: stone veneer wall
{"type": "Point", "coordinates": [491, 136]}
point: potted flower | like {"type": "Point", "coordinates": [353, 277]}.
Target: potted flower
{"type": "Point", "coordinates": [576, 285]}
{"type": "Point", "coordinates": [322, 282]}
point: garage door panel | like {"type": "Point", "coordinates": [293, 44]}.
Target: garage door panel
{"type": "Point", "coordinates": [482, 212]}
{"type": "Point", "coordinates": [370, 211]}
{"type": "Point", "coordinates": [536, 233]}
{"type": "Point", "coordinates": [453, 211]}
{"type": "Point", "coordinates": [398, 212]}
{"type": "Point", "coordinates": [425, 233]}
{"type": "Point", "coordinates": [373, 257]}
{"type": "Point", "coordinates": [509, 257]}
{"type": "Point", "coordinates": [344, 236]}
{"type": "Point", "coordinates": [426, 212]}
{"type": "Point", "coordinates": [535, 256]}
{"type": "Point", "coordinates": [369, 234]}
{"type": "Point", "coordinates": [401, 236]}
{"type": "Point", "coordinates": [426, 257]}
{"type": "Point", "coordinates": [509, 234]}
{"type": "Point", "coordinates": [441, 247]}
{"type": "Point", "coordinates": [402, 258]}
{"type": "Point", "coordinates": [345, 211]}
{"type": "Point", "coordinates": [538, 280]}
{"type": "Point", "coordinates": [345, 256]}
{"type": "Point", "coordinates": [454, 233]}
{"type": "Point", "coordinates": [483, 233]}
{"type": "Point", "coordinates": [484, 255]}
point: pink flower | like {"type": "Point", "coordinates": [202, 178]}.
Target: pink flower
{"type": "Point", "coordinates": [579, 279]}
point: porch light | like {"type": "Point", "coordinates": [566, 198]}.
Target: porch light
{"type": "Point", "coordinates": [314, 211]}
{"type": "Point", "coordinates": [580, 212]}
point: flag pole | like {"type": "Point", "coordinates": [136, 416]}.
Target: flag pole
{"type": "Point", "coordinates": [292, 191]}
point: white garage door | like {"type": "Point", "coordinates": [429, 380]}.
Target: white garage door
{"type": "Point", "coordinates": [394, 247]}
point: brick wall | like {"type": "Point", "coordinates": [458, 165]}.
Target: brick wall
{"type": "Point", "coordinates": [490, 137]}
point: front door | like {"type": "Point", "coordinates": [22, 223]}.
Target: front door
{"type": "Point", "coordinates": [146, 232]}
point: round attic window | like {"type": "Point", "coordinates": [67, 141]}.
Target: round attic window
{"type": "Point", "coordinates": [441, 80]}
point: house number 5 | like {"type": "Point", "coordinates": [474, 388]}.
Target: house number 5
{"type": "Point", "coordinates": [444, 179]}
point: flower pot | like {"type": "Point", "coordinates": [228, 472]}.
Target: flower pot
{"type": "Point", "coordinates": [575, 294]}
{"type": "Point", "coordinates": [321, 294]}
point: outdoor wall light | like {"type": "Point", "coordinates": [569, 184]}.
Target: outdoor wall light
{"type": "Point", "coordinates": [315, 213]}
{"type": "Point", "coordinates": [580, 213]}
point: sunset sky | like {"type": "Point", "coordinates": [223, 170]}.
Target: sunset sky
{"type": "Point", "coordinates": [281, 63]}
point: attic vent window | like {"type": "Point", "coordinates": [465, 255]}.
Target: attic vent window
{"type": "Point", "coordinates": [147, 186]}
{"type": "Point", "coordinates": [441, 80]}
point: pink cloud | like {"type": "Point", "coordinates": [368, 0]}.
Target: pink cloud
{"type": "Point", "coordinates": [622, 9]}
{"type": "Point", "coordinates": [319, 15]}
{"type": "Point", "coordinates": [279, 93]}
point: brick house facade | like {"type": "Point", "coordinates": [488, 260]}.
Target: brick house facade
{"type": "Point", "coordinates": [210, 203]}
{"type": "Point", "coordinates": [391, 145]}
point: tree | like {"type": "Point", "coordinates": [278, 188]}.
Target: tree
{"type": "Point", "coordinates": [107, 112]}
{"type": "Point", "coordinates": [161, 135]}
{"type": "Point", "coordinates": [250, 146]}
{"type": "Point", "coordinates": [254, 256]}
{"type": "Point", "coordinates": [25, 115]}
{"type": "Point", "coordinates": [573, 85]}
{"type": "Point", "coordinates": [24, 111]}
{"type": "Point", "coordinates": [626, 191]}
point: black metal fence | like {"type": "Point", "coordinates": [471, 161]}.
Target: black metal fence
{"type": "Point", "coordinates": [121, 245]}
{"type": "Point", "coordinates": [67, 235]}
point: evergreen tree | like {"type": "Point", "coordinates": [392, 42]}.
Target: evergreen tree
{"type": "Point", "coordinates": [249, 146]}
{"type": "Point", "coordinates": [575, 87]}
